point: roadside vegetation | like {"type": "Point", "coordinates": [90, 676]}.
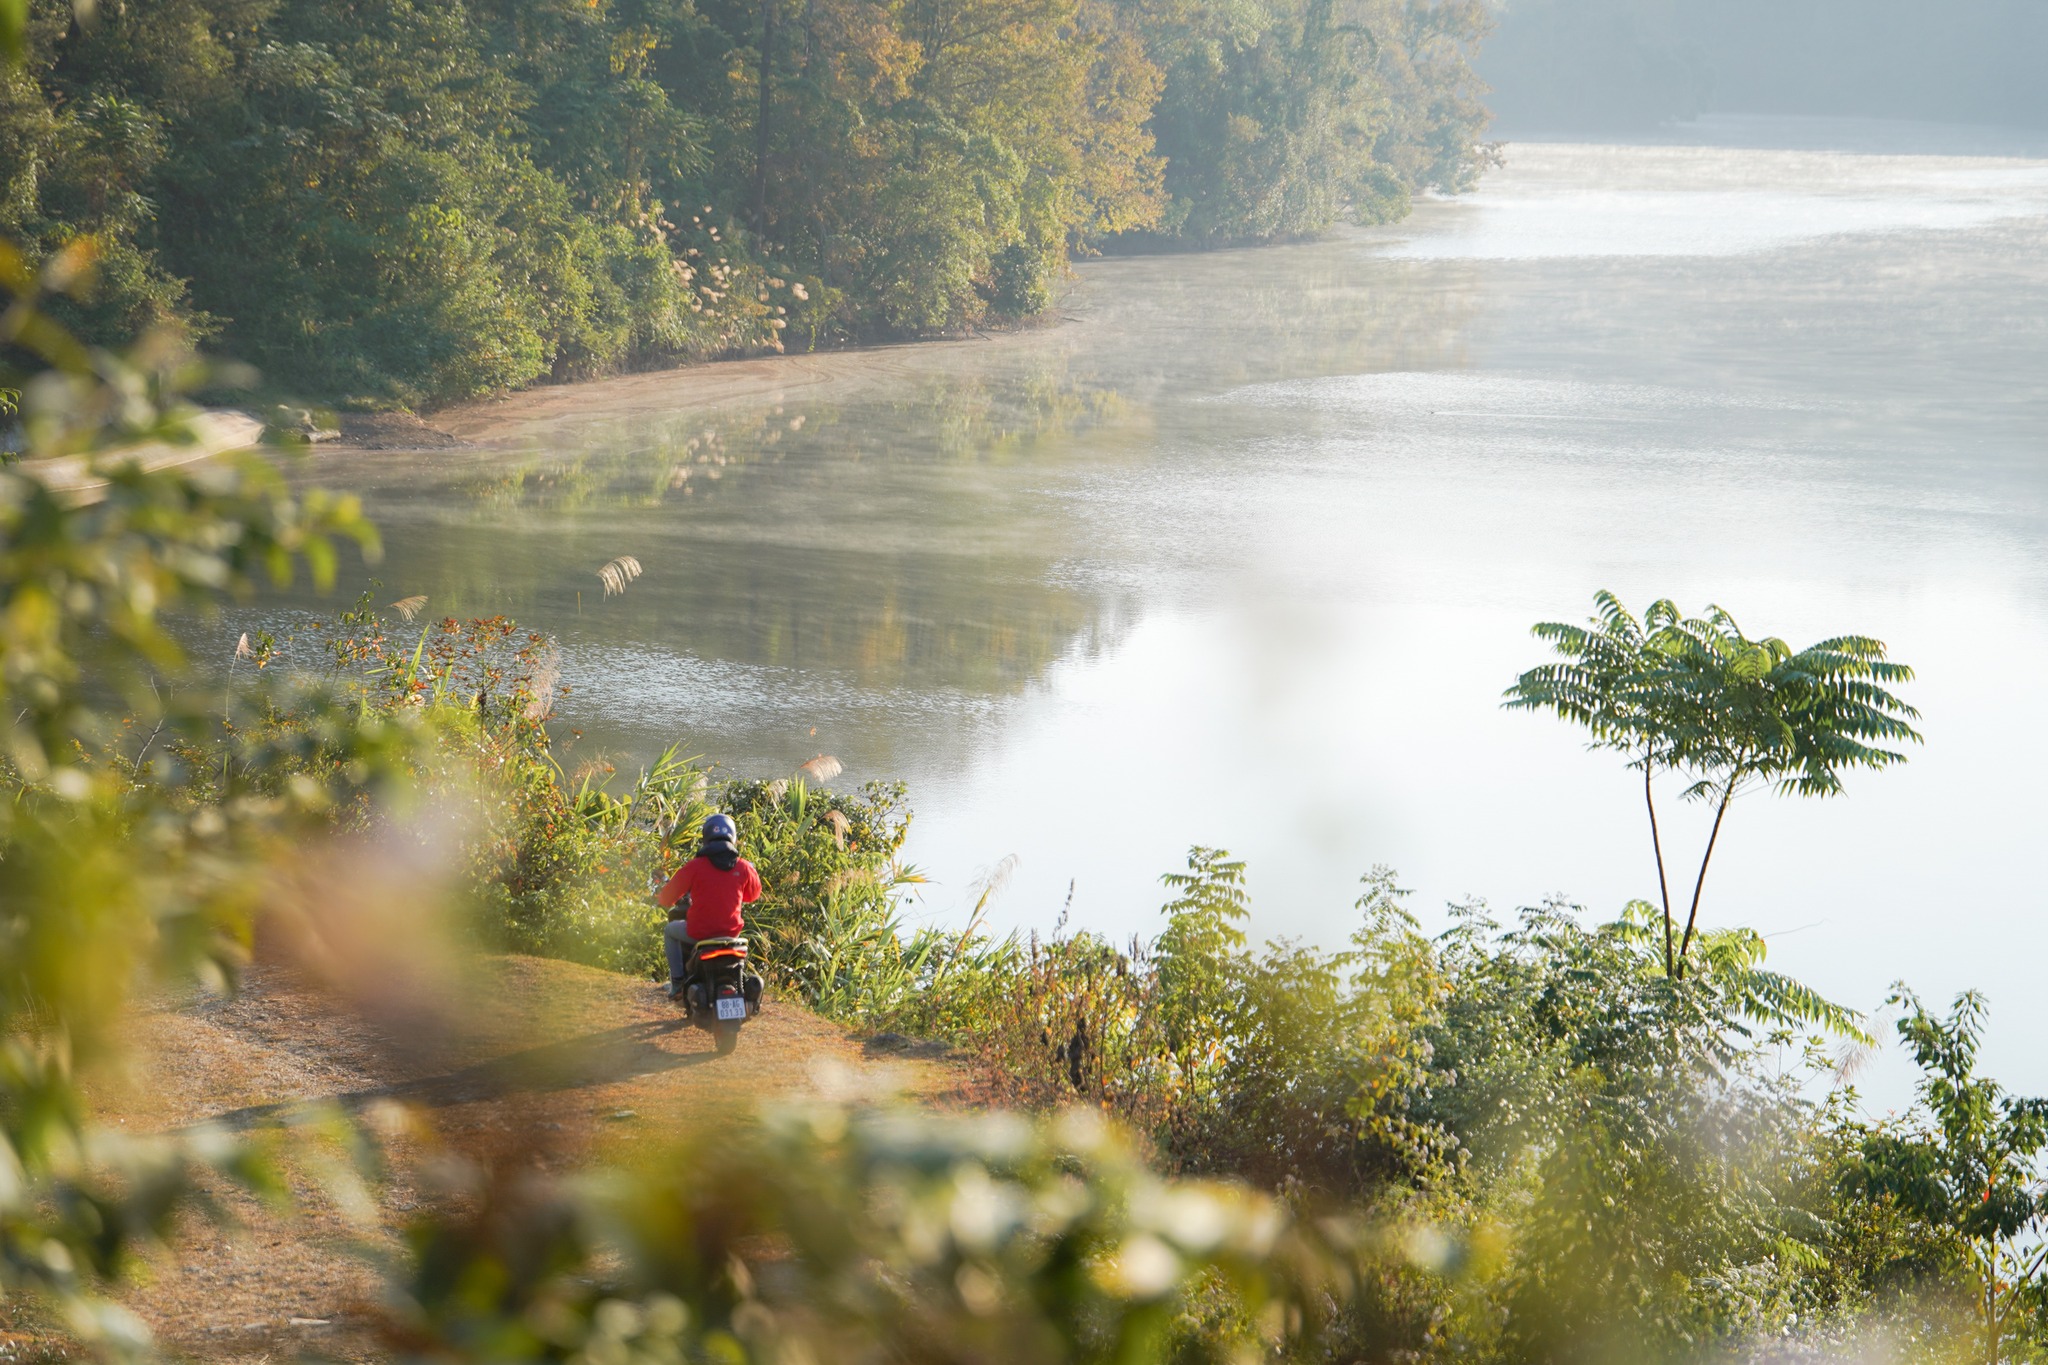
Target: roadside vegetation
{"type": "Point", "coordinates": [393, 202]}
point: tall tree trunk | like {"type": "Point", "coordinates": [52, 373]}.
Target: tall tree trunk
{"type": "Point", "coordinates": [760, 213]}
{"type": "Point", "coordinates": [1693, 915]}
{"type": "Point", "coordinates": [1663, 883]}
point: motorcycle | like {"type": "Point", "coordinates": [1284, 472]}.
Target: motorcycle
{"type": "Point", "coordinates": [720, 990]}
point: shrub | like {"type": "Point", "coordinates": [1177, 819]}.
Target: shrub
{"type": "Point", "coordinates": [1019, 282]}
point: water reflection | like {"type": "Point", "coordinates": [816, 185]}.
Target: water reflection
{"type": "Point", "coordinates": [880, 559]}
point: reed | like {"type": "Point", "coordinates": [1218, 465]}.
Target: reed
{"type": "Point", "coordinates": [617, 573]}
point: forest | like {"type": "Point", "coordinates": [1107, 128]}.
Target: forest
{"type": "Point", "coordinates": [408, 202]}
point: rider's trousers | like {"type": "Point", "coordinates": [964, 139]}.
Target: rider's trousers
{"type": "Point", "coordinates": [678, 945]}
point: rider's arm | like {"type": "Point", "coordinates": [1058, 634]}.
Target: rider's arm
{"type": "Point", "coordinates": [750, 887]}
{"type": "Point", "coordinates": [675, 888]}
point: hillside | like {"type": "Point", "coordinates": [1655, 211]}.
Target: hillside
{"type": "Point", "coordinates": [557, 1063]}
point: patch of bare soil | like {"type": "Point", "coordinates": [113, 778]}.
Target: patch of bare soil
{"type": "Point", "coordinates": [394, 431]}
{"type": "Point", "coordinates": [561, 1063]}
{"type": "Point", "coordinates": [551, 413]}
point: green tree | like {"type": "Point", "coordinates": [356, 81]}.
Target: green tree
{"type": "Point", "coordinates": [1967, 1165]}
{"type": "Point", "coordinates": [1697, 695]}
{"type": "Point", "coordinates": [86, 166]}
{"type": "Point", "coordinates": [1611, 683]}
{"type": "Point", "coordinates": [1280, 120]}
{"type": "Point", "coordinates": [1200, 956]}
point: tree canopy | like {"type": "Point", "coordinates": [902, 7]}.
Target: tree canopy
{"type": "Point", "coordinates": [397, 201]}
{"type": "Point", "coordinates": [1697, 696]}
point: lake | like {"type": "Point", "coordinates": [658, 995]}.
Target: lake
{"type": "Point", "coordinates": [1242, 550]}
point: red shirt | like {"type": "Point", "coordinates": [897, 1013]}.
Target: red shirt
{"type": "Point", "coordinates": [715, 896]}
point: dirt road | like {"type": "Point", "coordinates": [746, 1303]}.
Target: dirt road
{"type": "Point", "coordinates": [565, 1063]}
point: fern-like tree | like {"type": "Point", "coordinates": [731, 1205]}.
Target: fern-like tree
{"type": "Point", "coordinates": [1610, 680]}
{"type": "Point", "coordinates": [1966, 1164]}
{"type": "Point", "coordinates": [1731, 713]}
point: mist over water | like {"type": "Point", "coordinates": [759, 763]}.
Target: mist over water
{"type": "Point", "coordinates": [1560, 66]}
{"type": "Point", "coordinates": [1245, 549]}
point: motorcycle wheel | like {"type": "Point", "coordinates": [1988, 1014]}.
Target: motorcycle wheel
{"type": "Point", "coordinates": [728, 1036]}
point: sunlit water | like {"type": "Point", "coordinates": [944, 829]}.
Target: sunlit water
{"type": "Point", "coordinates": [1244, 550]}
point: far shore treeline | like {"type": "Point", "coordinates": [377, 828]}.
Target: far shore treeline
{"type": "Point", "coordinates": [408, 202]}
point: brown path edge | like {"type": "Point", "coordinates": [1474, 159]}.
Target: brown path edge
{"type": "Point", "coordinates": [565, 1064]}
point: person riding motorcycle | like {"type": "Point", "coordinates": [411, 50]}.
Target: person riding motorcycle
{"type": "Point", "coordinates": [704, 897]}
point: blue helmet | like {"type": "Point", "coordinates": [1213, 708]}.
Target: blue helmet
{"type": "Point", "coordinates": [720, 829]}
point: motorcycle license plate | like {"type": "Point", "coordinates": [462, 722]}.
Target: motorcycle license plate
{"type": "Point", "coordinates": [732, 1007]}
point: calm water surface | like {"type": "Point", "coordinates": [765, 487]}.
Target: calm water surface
{"type": "Point", "coordinates": [1244, 551]}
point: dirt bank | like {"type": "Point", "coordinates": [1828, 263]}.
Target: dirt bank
{"type": "Point", "coordinates": [533, 415]}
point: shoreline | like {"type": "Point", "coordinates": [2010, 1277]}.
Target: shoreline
{"type": "Point", "coordinates": [534, 413]}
